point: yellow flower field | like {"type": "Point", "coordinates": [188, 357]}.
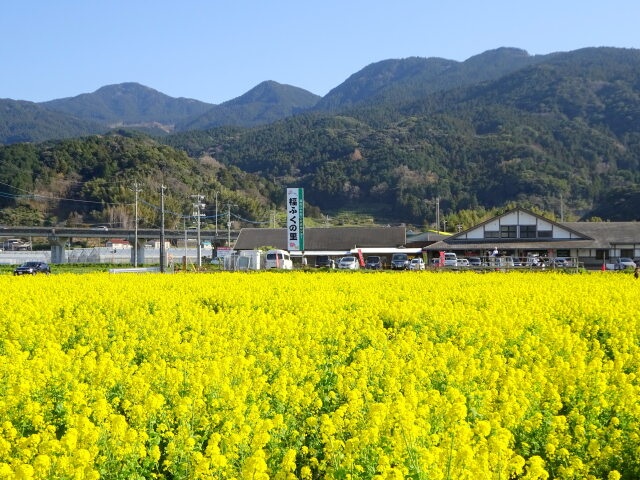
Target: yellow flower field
{"type": "Point", "coordinates": [320, 375]}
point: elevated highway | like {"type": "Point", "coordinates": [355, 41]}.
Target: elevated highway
{"type": "Point", "coordinates": [59, 236]}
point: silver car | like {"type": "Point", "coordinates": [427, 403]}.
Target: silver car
{"type": "Point", "coordinates": [416, 264]}
{"type": "Point", "coordinates": [349, 263]}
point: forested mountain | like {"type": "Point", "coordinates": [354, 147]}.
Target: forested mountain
{"type": "Point", "coordinates": [128, 104]}
{"type": "Point", "coordinates": [563, 125]}
{"type": "Point", "coordinates": [567, 127]}
{"type": "Point", "coordinates": [90, 180]}
{"type": "Point", "coordinates": [22, 121]}
{"type": "Point", "coordinates": [265, 103]}
{"type": "Point", "coordinates": [414, 78]}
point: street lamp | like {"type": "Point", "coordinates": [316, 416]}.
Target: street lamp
{"type": "Point", "coordinates": [216, 193]}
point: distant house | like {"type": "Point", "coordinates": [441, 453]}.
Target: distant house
{"type": "Point", "coordinates": [520, 233]}
{"type": "Point", "coordinates": [156, 244]}
{"type": "Point", "coordinates": [117, 244]}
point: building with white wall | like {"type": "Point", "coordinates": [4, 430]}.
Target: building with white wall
{"type": "Point", "coordinates": [521, 233]}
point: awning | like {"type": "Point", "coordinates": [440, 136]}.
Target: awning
{"type": "Point", "coordinates": [383, 250]}
{"type": "Point", "coordinates": [316, 253]}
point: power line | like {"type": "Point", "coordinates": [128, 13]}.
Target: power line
{"type": "Point", "coordinates": [34, 195]}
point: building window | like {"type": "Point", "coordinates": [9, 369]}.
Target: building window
{"type": "Point", "coordinates": [545, 234]}
{"type": "Point", "coordinates": [563, 253]}
{"type": "Point", "coordinates": [491, 234]}
{"type": "Point", "coordinates": [527, 231]}
{"type": "Point", "coordinates": [626, 252]}
{"type": "Point", "coordinates": [508, 231]}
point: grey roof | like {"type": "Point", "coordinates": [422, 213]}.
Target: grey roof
{"type": "Point", "coordinates": [324, 238]}
{"type": "Point", "coordinates": [607, 233]}
{"type": "Point", "coordinates": [426, 237]}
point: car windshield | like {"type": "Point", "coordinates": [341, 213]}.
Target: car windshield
{"type": "Point", "coordinates": [400, 256]}
{"type": "Point", "coordinates": [450, 256]}
{"type": "Point", "coordinates": [30, 264]}
{"type": "Point", "coordinates": [415, 260]}
{"type": "Point", "coordinates": [626, 260]}
{"type": "Point", "coordinates": [373, 259]}
{"type": "Point", "coordinates": [348, 259]}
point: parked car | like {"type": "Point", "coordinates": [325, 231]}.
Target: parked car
{"type": "Point", "coordinates": [399, 261]}
{"type": "Point", "coordinates": [517, 262]}
{"type": "Point", "coordinates": [324, 261]}
{"type": "Point", "coordinates": [561, 262]}
{"type": "Point", "coordinates": [373, 262]}
{"type": "Point", "coordinates": [475, 261]}
{"type": "Point", "coordinates": [32, 268]}
{"type": "Point", "coordinates": [349, 263]}
{"type": "Point", "coordinates": [463, 262]}
{"type": "Point", "coordinates": [450, 259]}
{"type": "Point", "coordinates": [278, 259]}
{"type": "Point", "coordinates": [416, 264]}
{"type": "Point", "coordinates": [623, 263]}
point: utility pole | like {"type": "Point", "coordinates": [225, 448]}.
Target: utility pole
{"type": "Point", "coordinates": [162, 253]}
{"type": "Point", "coordinates": [229, 205]}
{"type": "Point", "coordinates": [444, 224]}
{"type": "Point", "coordinates": [561, 208]}
{"type": "Point", "coordinates": [136, 189]}
{"type": "Point", "coordinates": [184, 221]}
{"type": "Point", "coordinates": [437, 213]}
{"type": "Point", "coordinates": [198, 215]}
{"type": "Point", "coordinates": [217, 213]}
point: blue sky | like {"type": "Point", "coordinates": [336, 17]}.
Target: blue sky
{"type": "Point", "coordinates": [216, 50]}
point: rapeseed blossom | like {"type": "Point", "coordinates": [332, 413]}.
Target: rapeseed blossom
{"type": "Point", "coordinates": [323, 375]}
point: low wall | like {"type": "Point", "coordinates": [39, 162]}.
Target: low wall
{"type": "Point", "coordinates": [103, 255]}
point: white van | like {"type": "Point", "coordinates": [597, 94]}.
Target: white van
{"type": "Point", "coordinates": [450, 259]}
{"type": "Point", "coordinates": [278, 259]}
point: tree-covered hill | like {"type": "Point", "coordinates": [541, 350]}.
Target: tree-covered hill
{"type": "Point", "coordinates": [128, 104]}
{"type": "Point", "coordinates": [22, 121]}
{"type": "Point", "coordinates": [566, 127]}
{"type": "Point", "coordinates": [90, 180]}
{"type": "Point", "coordinates": [267, 102]}
{"type": "Point", "coordinates": [413, 78]}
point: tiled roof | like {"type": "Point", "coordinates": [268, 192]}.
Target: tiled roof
{"type": "Point", "coordinates": [324, 238]}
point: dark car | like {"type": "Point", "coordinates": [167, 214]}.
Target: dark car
{"type": "Point", "coordinates": [31, 268]}
{"type": "Point", "coordinates": [324, 261]}
{"type": "Point", "coordinates": [475, 261]}
{"type": "Point", "coordinates": [373, 262]}
{"type": "Point", "coordinates": [399, 261]}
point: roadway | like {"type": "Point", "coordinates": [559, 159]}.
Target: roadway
{"type": "Point", "coordinates": [125, 233]}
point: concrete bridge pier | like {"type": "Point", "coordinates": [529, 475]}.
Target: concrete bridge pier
{"type": "Point", "coordinates": [137, 249]}
{"type": "Point", "coordinates": [58, 250]}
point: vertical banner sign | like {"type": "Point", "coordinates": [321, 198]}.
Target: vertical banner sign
{"type": "Point", "coordinates": [360, 257]}
{"type": "Point", "coordinates": [441, 263]}
{"type": "Point", "coordinates": [295, 218]}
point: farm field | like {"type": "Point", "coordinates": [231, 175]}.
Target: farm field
{"type": "Point", "coordinates": [320, 375]}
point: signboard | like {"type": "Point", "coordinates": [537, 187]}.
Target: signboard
{"type": "Point", "coordinates": [295, 219]}
{"type": "Point", "coordinates": [360, 257]}
{"type": "Point", "coordinates": [224, 251]}
{"type": "Point", "coordinates": [441, 263]}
